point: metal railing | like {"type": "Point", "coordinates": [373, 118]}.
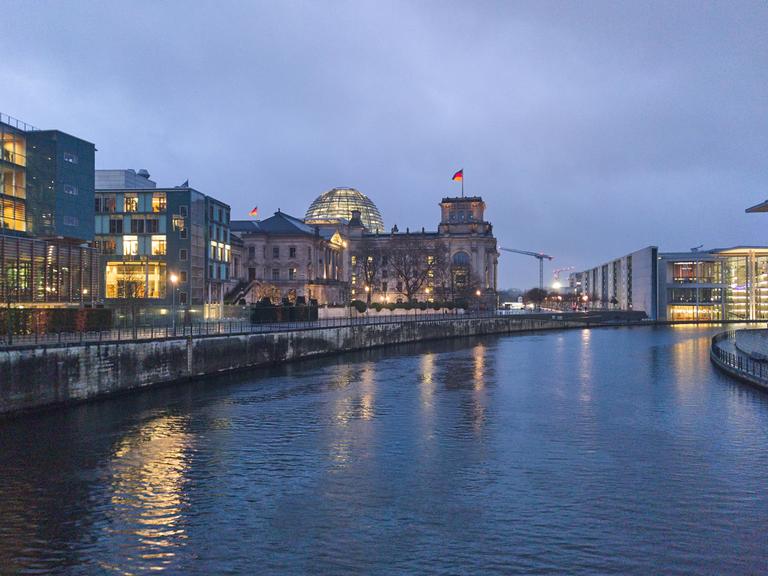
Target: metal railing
{"type": "Point", "coordinates": [16, 123]}
{"type": "Point", "coordinates": [736, 362]}
{"type": "Point", "coordinates": [242, 327]}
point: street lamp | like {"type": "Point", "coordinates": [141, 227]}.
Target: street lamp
{"type": "Point", "coordinates": [174, 279]}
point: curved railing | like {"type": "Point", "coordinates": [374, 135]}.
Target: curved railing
{"type": "Point", "coordinates": [735, 363]}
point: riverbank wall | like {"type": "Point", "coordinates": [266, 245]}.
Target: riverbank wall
{"type": "Point", "coordinates": [742, 354]}
{"type": "Point", "coordinates": [35, 377]}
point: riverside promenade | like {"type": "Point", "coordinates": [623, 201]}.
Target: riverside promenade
{"type": "Point", "coordinates": [743, 354]}
{"type": "Point", "coordinates": [64, 368]}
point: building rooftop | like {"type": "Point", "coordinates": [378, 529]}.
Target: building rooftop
{"type": "Point", "coordinates": [280, 223]}
{"type": "Point", "coordinates": [762, 207]}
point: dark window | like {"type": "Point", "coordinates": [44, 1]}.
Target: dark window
{"type": "Point", "coordinates": [71, 190]}
{"type": "Point", "coordinates": [275, 273]}
{"type": "Point", "coordinates": [116, 226]}
{"type": "Point", "coordinates": [183, 275]}
{"type": "Point", "coordinates": [275, 251]}
{"type": "Point", "coordinates": [251, 274]}
{"type": "Point", "coordinates": [251, 252]}
{"type": "Point", "coordinates": [183, 210]}
{"type": "Point", "coordinates": [183, 254]}
{"type": "Point", "coordinates": [183, 234]}
{"type": "Point", "coordinates": [292, 252]}
{"type": "Point", "coordinates": [97, 205]}
{"type": "Point", "coordinates": [70, 157]}
{"type": "Point", "coordinates": [182, 297]}
{"type": "Point", "coordinates": [137, 226]}
{"type": "Point", "coordinates": [152, 226]}
{"type": "Point", "coordinates": [383, 286]}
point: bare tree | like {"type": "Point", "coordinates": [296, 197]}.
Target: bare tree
{"type": "Point", "coordinates": [368, 256]}
{"type": "Point", "coordinates": [415, 261]}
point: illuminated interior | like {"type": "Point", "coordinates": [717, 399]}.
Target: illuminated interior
{"type": "Point", "coordinates": [13, 215]}
{"type": "Point", "coordinates": [337, 205]}
{"type": "Point", "coordinates": [13, 148]}
{"type": "Point", "coordinates": [677, 312]}
{"type": "Point", "coordinates": [13, 182]}
{"type": "Point", "coordinates": [135, 280]}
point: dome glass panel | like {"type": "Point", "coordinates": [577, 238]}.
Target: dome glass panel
{"type": "Point", "coordinates": [337, 205]}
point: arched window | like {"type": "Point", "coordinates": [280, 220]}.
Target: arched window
{"type": "Point", "coordinates": [461, 259]}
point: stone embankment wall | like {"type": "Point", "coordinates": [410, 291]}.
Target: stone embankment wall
{"type": "Point", "coordinates": [36, 377]}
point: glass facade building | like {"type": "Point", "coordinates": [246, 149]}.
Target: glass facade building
{"type": "Point", "coordinates": [46, 217]}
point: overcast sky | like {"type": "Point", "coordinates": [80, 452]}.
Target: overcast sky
{"type": "Point", "coordinates": [590, 129]}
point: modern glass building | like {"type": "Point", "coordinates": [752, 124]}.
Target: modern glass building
{"type": "Point", "coordinates": [336, 206]}
{"type": "Point", "coordinates": [700, 285]}
{"type": "Point", "coordinates": [718, 284]}
{"type": "Point", "coordinates": [150, 237]}
{"type": "Point", "coordinates": [46, 217]}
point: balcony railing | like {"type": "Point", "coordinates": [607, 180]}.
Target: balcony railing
{"type": "Point", "coordinates": [16, 123]}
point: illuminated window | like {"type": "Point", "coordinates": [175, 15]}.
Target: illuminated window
{"type": "Point", "coordinates": [158, 202]}
{"type": "Point", "coordinates": [13, 215]}
{"type": "Point", "coordinates": [131, 203]}
{"type": "Point", "coordinates": [158, 246]}
{"type": "Point", "coordinates": [70, 157]}
{"type": "Point", "coordinates": [71, 190]}
{"type": "Point", "coordinates": [130, 246]}
{"type": "Point", "coordinates": [178, 223]}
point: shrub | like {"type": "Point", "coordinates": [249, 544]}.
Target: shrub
{"type": "Point", "coordinates": [422, 305]}
{"type": "Point", "coordinates": [376, 306]}
{"type": "Point", "coordinates": [391, 306]}
{"type": "Point", "coordinates": [359, 305]}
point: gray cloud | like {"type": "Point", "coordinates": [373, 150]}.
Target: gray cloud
{"type": "Point", "coordinates": [590, 128]}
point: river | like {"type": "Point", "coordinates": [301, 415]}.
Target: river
{"type": "Point", "coordinates": [605, 451]}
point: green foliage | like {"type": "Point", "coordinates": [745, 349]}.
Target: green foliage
{"type": "Point", "coordinates": [359, 305]}
{"type": "Point", "coordinates": [376, 306]}
{"type": "Point", "coordinates": [422, 305]}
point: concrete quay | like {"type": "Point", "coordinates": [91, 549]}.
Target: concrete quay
{"type": "Point", "coordinates": [33, 377]}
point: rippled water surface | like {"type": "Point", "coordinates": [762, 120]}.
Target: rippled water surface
{"type": "Point", "coordinates": [610, 451]}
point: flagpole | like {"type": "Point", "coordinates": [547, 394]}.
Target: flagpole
{"type": "Point", "coordinates": [462, 182]}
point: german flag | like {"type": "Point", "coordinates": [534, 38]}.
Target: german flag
{"type": "Point", "coordinates": [254, 212]}
{"type": "Point", "coordinates": [459, 176]}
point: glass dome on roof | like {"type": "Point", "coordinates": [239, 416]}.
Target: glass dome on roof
{"type": "Point", "coordinates": [337, 204]}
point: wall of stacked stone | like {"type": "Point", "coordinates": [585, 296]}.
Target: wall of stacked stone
{"type": "Point", "coordinates": [32, 378]}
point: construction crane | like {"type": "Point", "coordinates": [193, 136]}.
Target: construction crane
{"type": "Point", "coordinates": [540, 256]}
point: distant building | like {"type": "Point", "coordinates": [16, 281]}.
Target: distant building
{"type": "Point", "coordinates": [283, 257]}
{"type": "Point", "coordinates": [340, 251]}
{"type": "Point", "coordinates": [717, 284]}
{"type": "Point", "coordinates": [123, 180]}
{"type": "Point", "coordinates": [148, 236]}
{"type": "Point", "coordinates": [626, 283]}
{"type": "Point", "coordinates": [46, 217]}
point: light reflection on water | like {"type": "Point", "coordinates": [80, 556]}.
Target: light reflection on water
{"type": "Point", "coordinates": [579, 452]}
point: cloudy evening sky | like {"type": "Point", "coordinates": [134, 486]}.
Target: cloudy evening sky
{"type": "Point", "coordinates": [590, 129]}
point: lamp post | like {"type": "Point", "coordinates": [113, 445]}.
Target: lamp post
{"type": "Point", "coordinates": [174, 279]}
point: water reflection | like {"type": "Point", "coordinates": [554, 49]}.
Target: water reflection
{"type": "Point", "coordinates": [580, 452]}
{"type": "Point", "coordinates": [147, 483]}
